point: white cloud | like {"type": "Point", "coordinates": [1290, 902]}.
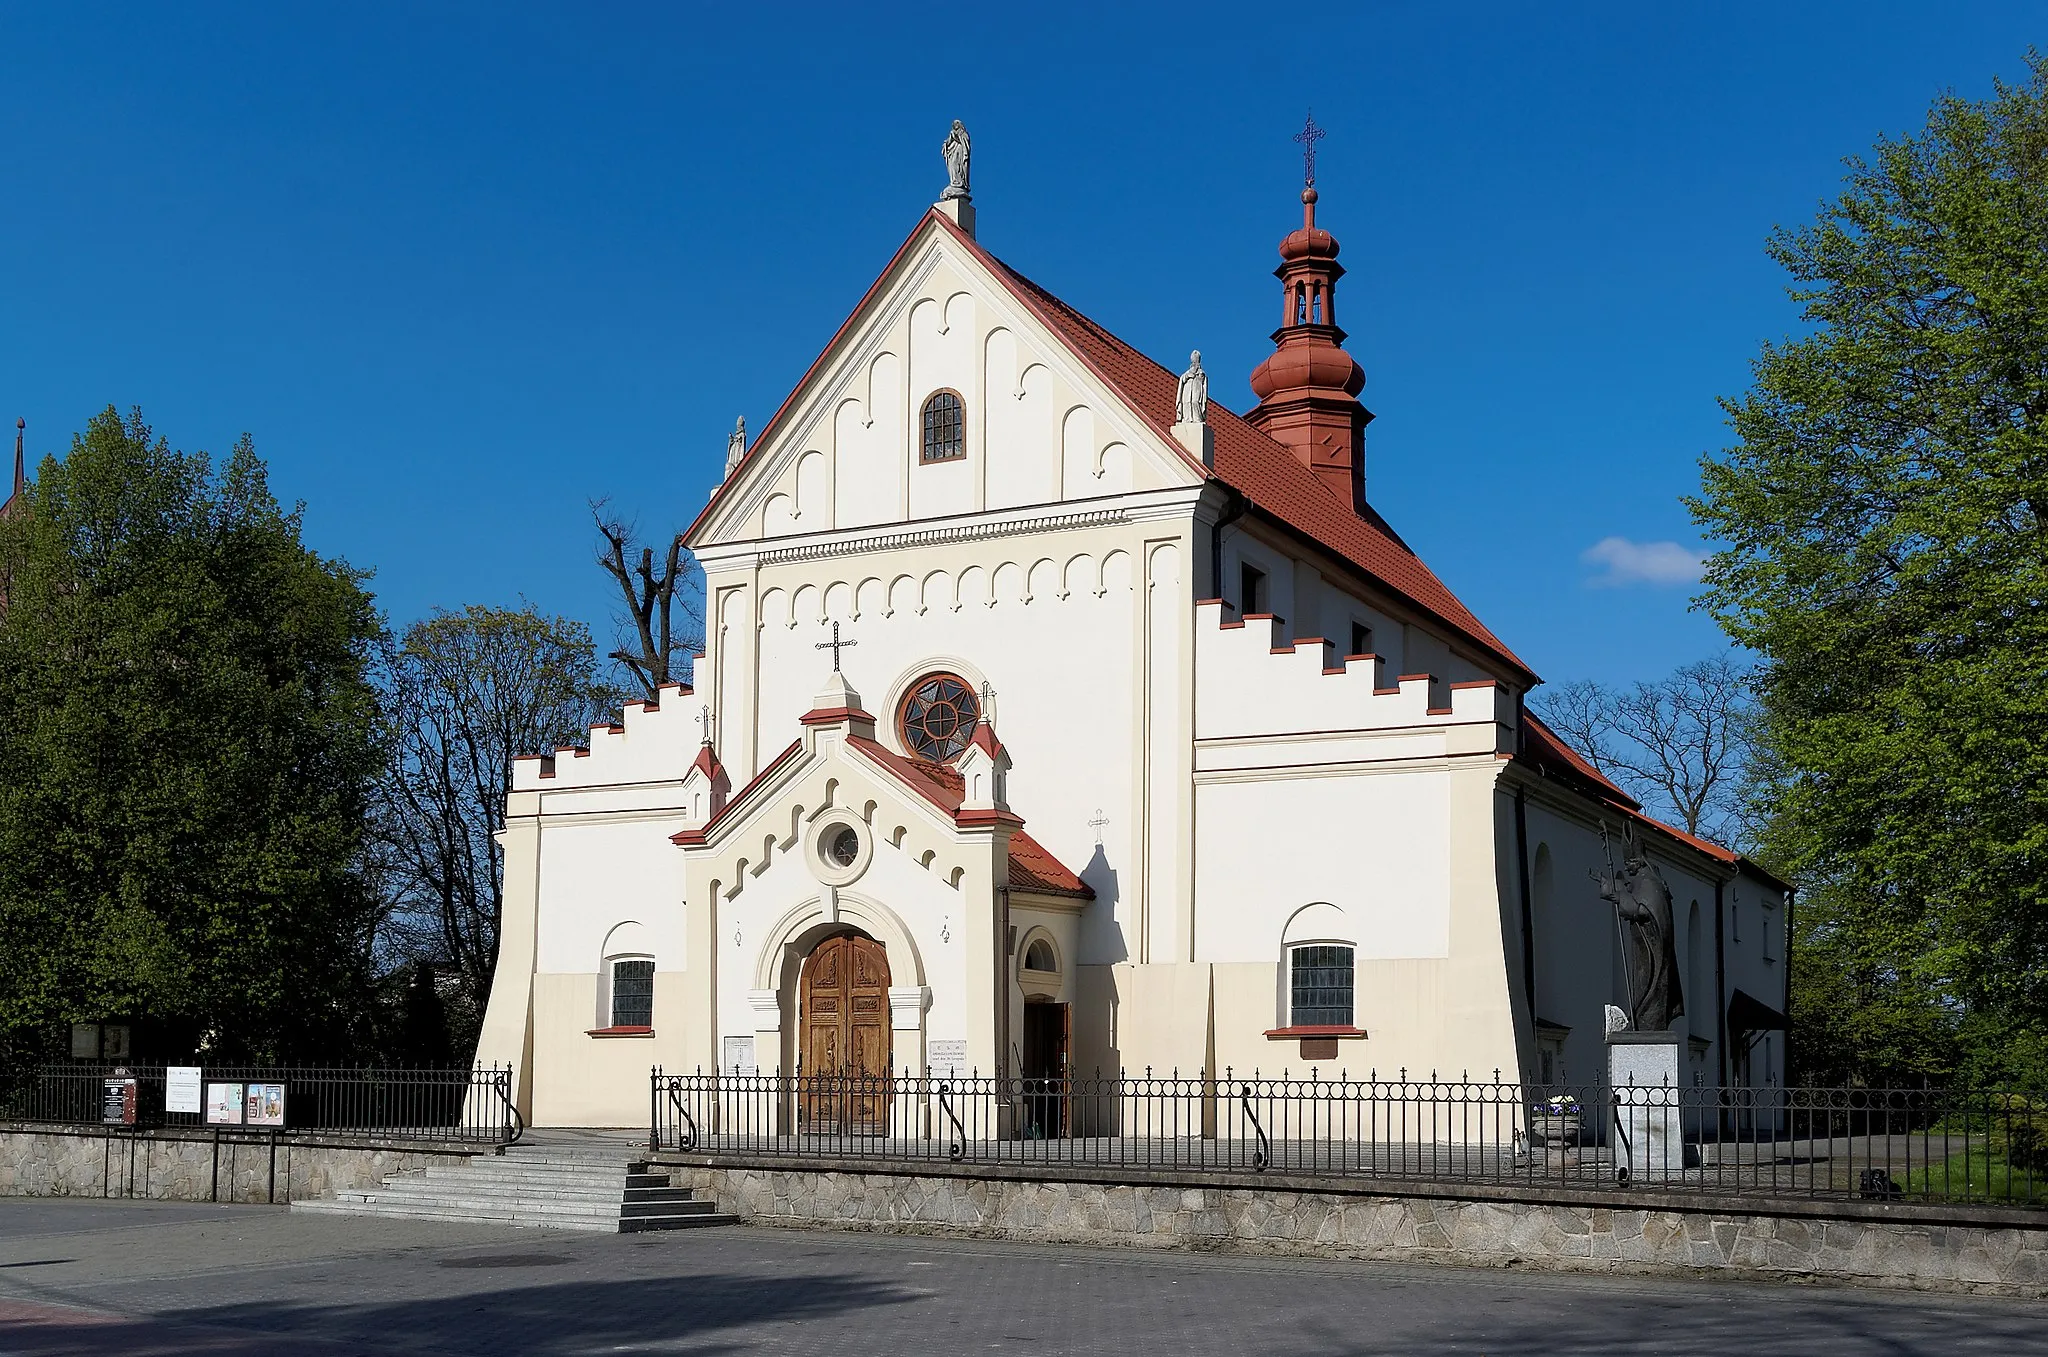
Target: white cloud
{"type": "Point", "coordinates": [1623, 562]}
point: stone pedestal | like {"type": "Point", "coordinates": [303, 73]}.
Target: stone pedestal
{"type": "Point", "coordinates": [1648, 1126]}
{"type": "Point", "coordinates": [1198, 439]}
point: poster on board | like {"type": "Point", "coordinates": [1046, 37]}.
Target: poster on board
{"type": "Point", "coordinates": [117, 1104]}
{"type": "Point", "coordinates": [223, 1104]}
{"type": "Point", "coordinates": [182, 1092]}
{"type": "Point", "coordinates": [265, 1104]}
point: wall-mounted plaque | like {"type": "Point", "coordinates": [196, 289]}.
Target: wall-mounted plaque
{"type": "Point", "coordinates": [947, 1058]}
{"type": "Point", "coordinates": [739, 1056]}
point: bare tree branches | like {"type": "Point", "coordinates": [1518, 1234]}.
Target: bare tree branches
{"type": "Point", "coordinates": [1682, 746]}
{"type": "Point", "coordinates": [648, 643]}
{"type": "Point", "coordinates": [467, 693]}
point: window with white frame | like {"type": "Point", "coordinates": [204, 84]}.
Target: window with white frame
{"type": "Point", "coordinates": [1320, 985]}
{"type": "Point", "coordinates": [632, 986]}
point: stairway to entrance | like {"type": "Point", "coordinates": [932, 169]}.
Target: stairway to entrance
{"type": "Point", "coordinates": [595, 1187]}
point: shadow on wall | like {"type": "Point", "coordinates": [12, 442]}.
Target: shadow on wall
{"type": "Point", "coordinates": [1103, 931]}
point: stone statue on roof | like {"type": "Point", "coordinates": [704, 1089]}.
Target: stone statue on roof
{"type": "Point", "coordinates": [1191, 403]}
{"type": "Point", "coordinates": [956, 150]}
{"type": "Point", "coordinates": [736, 445]}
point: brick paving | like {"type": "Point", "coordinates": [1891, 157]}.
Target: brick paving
{"type": "Point", "coordinates": [170, 1280]}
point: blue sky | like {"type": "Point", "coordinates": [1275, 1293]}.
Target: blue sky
{"type": "Point", "coordinates": [460, 269]}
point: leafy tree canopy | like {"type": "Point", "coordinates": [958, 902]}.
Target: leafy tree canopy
{"type": "Point", "coordinates": [1885, 512]}
{"type": "Point", "coordinates": [188, 730]}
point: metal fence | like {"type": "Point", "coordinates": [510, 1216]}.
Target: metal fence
{"type": "Point", "coordinates": [466, 1105]}
{"type": "Point", "coordinates": [1928, 1145]}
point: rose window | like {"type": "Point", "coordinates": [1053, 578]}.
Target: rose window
{"type": "Point", "coordinates": [938, 717]}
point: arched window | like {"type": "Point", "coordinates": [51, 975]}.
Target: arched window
{"type": "Point", "coordinates": [937, 717]}
{"type": "Point", "coordinates": [1038, 956]}
{"type": "Point", "coordinates": [945, 423]}
{"type": "Point", "coordinates": [1320, 985]}
{"type": "Point", "coordinates": [632, 992]}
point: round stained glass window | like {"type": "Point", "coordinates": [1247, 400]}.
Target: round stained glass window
{"type": "Point", "coordinates": [845, 848]}
{"type": "Point", "coordinates": [938, 717]}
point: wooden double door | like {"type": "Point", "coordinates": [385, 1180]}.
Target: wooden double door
{"type": "Point", "coordinates": [844, 1021]}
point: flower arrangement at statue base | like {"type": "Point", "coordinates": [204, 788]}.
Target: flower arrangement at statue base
{"type": "Point", "coordinates": [1556, 1120]}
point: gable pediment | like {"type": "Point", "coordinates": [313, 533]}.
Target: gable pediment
{"type": "Point", "coordinates": [1038, 426]}
{"type": "Point", "coordinates": [821, 784]}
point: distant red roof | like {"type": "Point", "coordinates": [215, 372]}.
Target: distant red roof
{"type": "Point", "coordinates": [1542, 747]}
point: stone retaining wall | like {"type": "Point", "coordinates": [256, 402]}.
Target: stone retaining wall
{"type": "Point", "coordinates": [1869, 1244]}
{"type": "Point", "coordinates": [190, 1165]}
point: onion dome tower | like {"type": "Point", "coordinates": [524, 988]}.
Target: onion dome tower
{"type": "Point", "coordinates": [1308, 387]}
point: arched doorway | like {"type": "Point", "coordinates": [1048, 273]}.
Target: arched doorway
{"type": "Point", "coordinates": [843, 1027]}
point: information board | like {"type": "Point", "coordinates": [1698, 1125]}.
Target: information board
{"type": "Point", "coordinates": [739, 1056]}
{"type": "Point", "coordinates": [117, 1105]}
{"type": "Point", "coordinates": [223, 1104]}
{"type": "Point", "coordinates": [182, 1092]}
{"type": "Point", "coordinates": [264, 1104]}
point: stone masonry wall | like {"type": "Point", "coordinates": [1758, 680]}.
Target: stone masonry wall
{"type": "Point", "coordinates": [1535, 1234]}
{"type": "Point", "coordinates": [180, 1165]}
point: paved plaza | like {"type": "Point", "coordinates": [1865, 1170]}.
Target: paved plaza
{"type": "Point", "coordinates": [164, 1279]}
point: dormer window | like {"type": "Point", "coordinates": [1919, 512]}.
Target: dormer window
{"type": "Point", "coordinates": [945, 422]}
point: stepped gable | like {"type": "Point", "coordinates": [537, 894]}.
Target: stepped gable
{"type": "Point", "coordinates": [1264, 471]}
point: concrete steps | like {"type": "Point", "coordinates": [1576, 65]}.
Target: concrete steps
{"type": "Point", "coordinates": [544, 1187]}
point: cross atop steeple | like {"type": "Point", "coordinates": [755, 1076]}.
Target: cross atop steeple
{"type": "Point", "coordinates": [1308, 136]}
{"type": "Point", "coordinates": [835, 645]}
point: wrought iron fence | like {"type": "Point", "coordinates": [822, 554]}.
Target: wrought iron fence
{"type": "Point", "coordinates": [1928, 1145]}
{"type": "Point", "coordinates": [468, 1105]}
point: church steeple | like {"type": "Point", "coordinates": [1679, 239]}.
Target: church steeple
{"type": "Point", "coordinates": [1308, 387]}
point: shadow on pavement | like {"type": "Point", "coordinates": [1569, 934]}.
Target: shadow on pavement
{"type": "Point", "coordinates": [563, 1317]}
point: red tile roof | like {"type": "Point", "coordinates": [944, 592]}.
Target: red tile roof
{"type": "Point", "coordinates": [1260, 469]}
{"type": "Point", "coordinates": [1032, 867]}
{"type": "Point", "coordinates": [1542, 747]}
{"type": "Point", "coordinates": [1252, 464]}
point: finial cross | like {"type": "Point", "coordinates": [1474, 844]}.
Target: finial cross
{"type": "Point", "coordinates": [704, 722]}
{"type": "Point", "coordinates": [1308, 136]}
{"type": "Point", "coordinates": [1096, 822]}
{"type": "Point", "coordinates": [835, 645]}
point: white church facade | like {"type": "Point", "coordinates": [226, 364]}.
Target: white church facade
{"type": "Point", "coordinates": [1145, 743]}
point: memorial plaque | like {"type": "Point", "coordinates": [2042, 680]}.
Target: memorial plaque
{"type": "Point", "coordinates": [182, 1091]}
{"type": "Point", "coordinates": [739, 1056]}
{"type": "Point", "coordinates": [264, 1104]}
{"type": "Point", "coordinates": [117, 1105]}
{"type": "Point", "coordinates": [948, 1058]}
{"type": "Point", "coordinates": [223, 1104]}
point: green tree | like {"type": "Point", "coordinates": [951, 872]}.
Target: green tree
{"type": "Point", "coordinates": [1885, 512]}
{"type": "Point", "coordinates": [466, 694]}
{"type": "Point", "coordinates": [188, 732]}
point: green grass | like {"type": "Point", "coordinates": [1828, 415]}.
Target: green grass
{"type": "Point", "coordinates": [1981, 1175]}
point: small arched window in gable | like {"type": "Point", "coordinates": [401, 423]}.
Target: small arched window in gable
{"type": "Point", "coordinates": [1038, 956]}
{"type": "Point", "coordinates": [945, 423]}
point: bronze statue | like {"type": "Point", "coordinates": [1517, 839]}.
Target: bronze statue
{"type": "Point", "coordinates": [1642, 904]}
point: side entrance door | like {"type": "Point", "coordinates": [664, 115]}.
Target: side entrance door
{"type": "Point", "coordinates": [845, 1003]}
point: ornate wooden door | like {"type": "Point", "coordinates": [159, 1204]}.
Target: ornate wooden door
{"type": "Point", "coordinates": [845, 1015]}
